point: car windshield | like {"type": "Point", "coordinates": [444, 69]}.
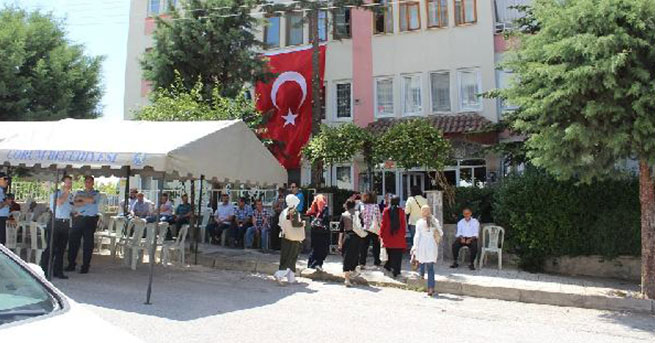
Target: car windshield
{"type": "Point", "coordinates": [21, 295]}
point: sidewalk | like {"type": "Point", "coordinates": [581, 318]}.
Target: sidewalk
{"type": "Point", "coordinates": [507, 284]}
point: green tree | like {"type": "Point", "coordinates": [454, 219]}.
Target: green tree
{"type": "Point", "coordinates": [337, 144]}
{"type": "Point", "coordinates": [208, 40]}
{"type": "Point", "coordinates": [42, 75]}
{"type": "Point", "coordinates": [176, 103]}
{"type": "Point", "coordinates": [586, 99]}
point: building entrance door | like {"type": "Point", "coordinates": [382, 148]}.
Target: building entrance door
{"type": "Point", "coordinates": [411, 180]}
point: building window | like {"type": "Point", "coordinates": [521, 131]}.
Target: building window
{"type": "Point", "coordinates": [472, 173]}
{"type": "Point", "coordinates": [411, 94]}
{"type": "Point", "coordinates": [409, 16]}
{"type": "Point", "coordinates": [322, 26]}
{"type": "Point", "coordinates": [384, 97]}
{"type": "Point", "coordinates": [465, 12]}
{"type": "Point", "coordinates": [154, 7]}
{"type": "Point", "coordinates": [294, 28]}
{"type": "Point", "coordinates": [383, 17]}
{"type": "Point", "coordinates": [469, 90]}
{"type": "Point", "coordinates": [343, 177]}
{"type": "Point", "coordinates": [341, 23]}
{"type": "Point", "coordinates": [437, 13]}
{"type": "Point", "coordinates": [504, 78]}
{"type": "Point", "coordinates": [157, 7]}
{"type": "Point", "coordinates": [344, 100]}
{"type": "Point", "coordinates": [272, 32]}
{"type": "Point", "coordinates": [440, 91]}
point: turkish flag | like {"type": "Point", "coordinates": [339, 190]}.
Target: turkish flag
{"type": "Point", "coordinates": [289, 98]}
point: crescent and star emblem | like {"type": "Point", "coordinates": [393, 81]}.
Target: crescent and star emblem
{"type": "Point", "coordinates": [289, 76]}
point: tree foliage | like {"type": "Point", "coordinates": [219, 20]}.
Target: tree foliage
{"type": "Point", "coordinates": [202, 43]}
{"type": "Point", "coordinates": [176, 103]}
{"type": "Point", "coordinates": [337, 144]}
{"type": "Point", "coordinates": [42, 75]}
{"type": "Point", "coordinates": [584, 85]}
{"type": "Point", "coordinates": [414, 144]}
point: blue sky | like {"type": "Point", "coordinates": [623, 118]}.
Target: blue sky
{"type": "Point", "coordinates": [101, 26]}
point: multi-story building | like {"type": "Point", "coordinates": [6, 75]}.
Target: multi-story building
{"type": "Point", "coordinates": [423, 58]}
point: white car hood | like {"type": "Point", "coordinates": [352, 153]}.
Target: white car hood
{"type": "Point", "coordinates": [75, 324]}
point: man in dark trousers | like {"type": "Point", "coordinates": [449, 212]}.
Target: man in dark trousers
{"type": "Point", "coordinates": [4, 207]}
{"type": "Point", "coordinates": [64, 200]}
{"type": "Point", "coordinates": [467, 236]}
{"type": "Point", "coordinates": [84, 225]}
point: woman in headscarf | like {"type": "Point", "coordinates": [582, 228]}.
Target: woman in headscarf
{"type": "Point", "coordinates": [349, 240]}
{"type": "Point", "coordinates": [425, 248]}
{"type": "Point", "coordinates": [320, 233]}
{"type": "Point", "coordinates": [392, 233]}
{"type": "Point", "coordinates": [292, 232]}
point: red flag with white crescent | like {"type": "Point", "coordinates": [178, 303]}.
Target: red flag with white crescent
{"type": "Point", "coordinates": [289, 97]}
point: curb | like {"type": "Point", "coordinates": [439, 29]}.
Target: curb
{"type": "Point", "coordinates": [598, 302]}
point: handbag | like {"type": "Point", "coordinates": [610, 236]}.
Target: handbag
{"type": "Point", "coordinates": [383, 254]}
{"type": "Point", "coordinates": [357, 225]}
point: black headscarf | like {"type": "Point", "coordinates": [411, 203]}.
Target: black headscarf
{"type": "Point", "coordinates": [394, 215]}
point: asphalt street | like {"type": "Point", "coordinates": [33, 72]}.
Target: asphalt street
{"type": "Point", "coordinates": [206, 305]}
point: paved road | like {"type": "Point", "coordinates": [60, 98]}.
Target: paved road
{"type": "Point", "coordinates": [203, 305]}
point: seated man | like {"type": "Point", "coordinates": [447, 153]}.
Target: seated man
{"type": "Point", "coordinates": [182, 213]}
{"type": "Point", "coordinates": [223, 219]}
{"type": "Point", "coordinates": [142, 208]}
{"type": "Point", "coordinates": [260, 224]}
{"type": "Point", "coordinates": [13, 205]}
{"type": "Point", "coordinates": [131, 200]}
{"type": "Point", "coordinates": [165, 209]}
{"type": "Point", "coordinates": [244, 221]}
{"type": "Point", "coordinates": [467, 235]}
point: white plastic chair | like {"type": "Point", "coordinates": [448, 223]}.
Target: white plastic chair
{"type": "Point", "coordinates": [11, 236]}
{"type": "Point", "coordinates": [115, 231]}
{"type": "Point", "coordinates": [203, 225]}
{"type": "Point", "coordinates": [38, 242]}
{"type": "Point", "coordinates": [496, 236]}
{"type": "Point", "coordinates": [178, 246]}
{"type": "Point", "coordinates": [132, 245]}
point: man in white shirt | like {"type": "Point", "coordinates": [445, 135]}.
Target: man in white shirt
{"type": "Point", "coordinates": [223, 219]}
{"type": "Point", "coordinates": [466, 236]}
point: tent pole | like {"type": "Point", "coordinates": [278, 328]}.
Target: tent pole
{"type": "Point", "coordinates": [195, 259]}
{"type": "Point", "coordinates": [52, 227]}
{"type": "Point", "coordinates": [9, 175]}
{"type": "Point", "coordinates": [153, 246]}
{"type": "Point", "coordinates": [126, 203]}
{"type": "Point", "coordinates": [192, 221]}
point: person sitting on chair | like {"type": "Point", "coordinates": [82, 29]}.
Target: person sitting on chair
{"type": "Point", "coordinates": [466, 236]}
{"type": "Point", "coordinates": [182, 213]}
{"type": "Point", "coordinates": [142, 208]}
{"type": "Point", "coordinates": [223, 219]}
{"type": "Point", "coordinates": [243, 216]}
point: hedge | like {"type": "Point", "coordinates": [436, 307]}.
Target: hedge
{"type": "Point", "coordinates": [544, 217]}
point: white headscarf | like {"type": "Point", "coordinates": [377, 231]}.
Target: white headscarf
{"type": "Point", "coordinates": [292, 201]}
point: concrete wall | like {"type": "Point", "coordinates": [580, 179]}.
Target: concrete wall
{"type": "Point", "coordinates": [138, 40]}
{"type": "Point", "coordinates": [623, 267]}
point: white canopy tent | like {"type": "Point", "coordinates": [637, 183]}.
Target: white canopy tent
{"type": "Point", "coordinates": [221, 151]}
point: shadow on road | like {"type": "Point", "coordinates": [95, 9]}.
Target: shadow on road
{"type": "Point", "coordinates": [177, 294]}
{"type": "Point", "coordinates": [641, 322]}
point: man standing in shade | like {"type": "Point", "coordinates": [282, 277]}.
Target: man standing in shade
{"type": "Point", "coordinates": [64, 200]}
{"type": "Point", "coordinates": [84, 225]}
{"type": "Point", "coordinates": [4, 208]}
{"type": "Point", "coordinates": [295, 190]}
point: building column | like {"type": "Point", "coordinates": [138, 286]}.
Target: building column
{"type": "Point", "coordinates": [362, 36]}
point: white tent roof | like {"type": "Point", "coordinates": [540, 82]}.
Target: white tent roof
{"type": "Point", "coordinates": [224, 151]}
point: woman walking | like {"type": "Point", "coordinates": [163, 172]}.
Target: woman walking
{"type": "Point", "coordinates": [392, 233]}
{"type": "Point", "coordinates": [292, 234]}
{"type": "Point", "coordinates": [371, 218]}
{"type": "Point", "coordinates": [349, 240]}
{"type": "Point", "coordinates": [320, 232]}
{"type": "Point", "coordinates": [425, 249]}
